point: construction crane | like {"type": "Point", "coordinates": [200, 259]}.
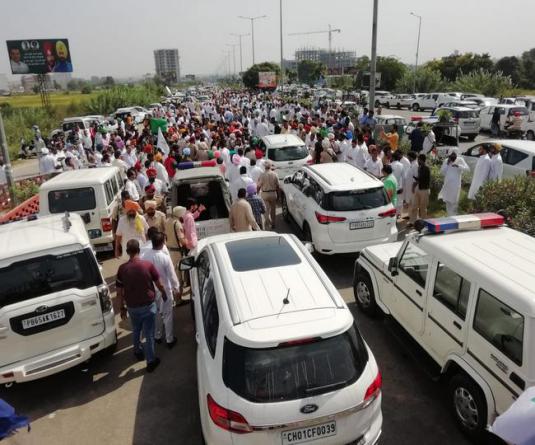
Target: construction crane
{"type": "Point", "coordinates": [329, 31]}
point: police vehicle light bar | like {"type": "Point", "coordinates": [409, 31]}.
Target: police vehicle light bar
{"type": "Point", "coordinates": [464, 222]}
{"type": "Point", "coordinates": [195, 164]}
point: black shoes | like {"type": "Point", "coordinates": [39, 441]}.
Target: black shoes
{"type": "Point", "coordinates": [171, 344]}
{"type": "Point", "coordinates": [153, 365]}
{"type": "Point", "coordinates": [158, 340]}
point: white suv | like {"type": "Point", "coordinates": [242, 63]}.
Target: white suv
{"type": "Point", "coordinates": [287, 152]}
{"type": "Point", "coordinates": [280, 359]}
{"type": "Point", "coordinates": [467, 119]}
{"type": "Point", "coordinates": [55, 307]}
{"type": "Point", "coordinates": [339, 207]}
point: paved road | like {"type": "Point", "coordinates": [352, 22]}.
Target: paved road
{"type": "Point", "coordinates": [113, 401]}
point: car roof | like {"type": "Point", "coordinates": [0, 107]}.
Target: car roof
{"type": "Point", "coordinates": [518, 144]}
{"type": "Point", "coordinates": [81, 177]}
{"type": "Point", "coordinates": [389, 116]}
{"type": "Point", "coordinates": [341, 176]}
{"type": "Point", "coordinates": [198, 172]}
{"type": "Point", "coordinates": [254, 298]}
{"type": "Point", "coordinates": [497, 258]}
{"type": "Point", "coordinates": [456, 108]}
{"type": "Point", "coordinates": [43, 233]}
{"type": "Point", "coordinates": [75, 119]}
{"type": "Point", "coordinates": [282, 140]}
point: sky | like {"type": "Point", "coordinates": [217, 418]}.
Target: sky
{"type": "Point", "coordinates": [117, 38]}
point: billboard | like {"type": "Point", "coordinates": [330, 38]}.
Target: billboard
{"type": "Point", "coordinates": [39, 56]}
{"type": "Point", "coordinates": [267, 79]}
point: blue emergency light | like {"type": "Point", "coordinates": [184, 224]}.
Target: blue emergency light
{"type": "Point", "coordinates": [464, 222]}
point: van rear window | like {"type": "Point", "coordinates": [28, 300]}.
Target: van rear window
{"type": "Point", "coordinates": [261, 253]}
{"type": "Point", "coordinates": [71, 200]}
{"type": "Point", "coordinates": [44, 275]}
{"type": "Point", "coordinates": [294, 371]}
{"type": "Point", "coordinates": [283, 154]}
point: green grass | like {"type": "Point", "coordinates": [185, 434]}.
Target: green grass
{"type": "Point", "coordinates": [56, 99]}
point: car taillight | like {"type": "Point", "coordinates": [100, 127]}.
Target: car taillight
{"type": "Point", "coordinates": [388, 214]}
{"type": "Point", "coordinates": [227, 419]}
{"type": "Point", "coordinates": [374, 389]}
{"type": "Point", "coordinates": [326, 219]}
{"type": "Point", "coordinates": [310, 161]}
{"type": "Point", "coordinates": [105, 298]}
{"type": "Point", "coordinates": [106, 225]}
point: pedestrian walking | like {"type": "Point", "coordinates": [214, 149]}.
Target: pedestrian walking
{"type": "Point", "coordinates": [241, 216]}
{"type": "Point", "coordinates": [390, 184]}
{"type": "Point", "coordinates": [452, 169]}
{"type": "Point", "coordinates": [257, 205]}
{"type": "Point", "coordinates": [131, 226]}
{"type": "Point", "coordinates": [481, 171]}
{"type": "Point", "coordinates": [154, 218]}
{"type": "Point", "coordinates": [166, 270]}
{"type": "Point", "coordinates": [421, 190]}
{"type": "Point", "coordinates": [496, 165]}
{"type": "Point", "coordinates": [136, 281]}
{"type": "Point", "coordinates": [268, 184]}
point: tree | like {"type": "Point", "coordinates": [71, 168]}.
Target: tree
{"type": "Point", "coordinates": [291, 75]}
{"type": "Point", "coordinates": [309, 71]}
{"type": "Point", "coordinates": [108, 82]}
{"type": "Point", "coordinates": [483, 82]}
{"type": "Point", "coordinates": [528, 69]}
{"type": "Point", "coordinates": [86, 88]}
{"type": "Point", "coordinates": [510, 66]}
{"type": "Point", "coordinates": [391, 70]}
{"type": "Point", "coordinates": [250, 77]}
{"type": "Point", "coordinates": [450, 67]}
{"type": "Point", "coordinates": [427, 80]}
{"type": "Point", "coordinates": [363, 63]}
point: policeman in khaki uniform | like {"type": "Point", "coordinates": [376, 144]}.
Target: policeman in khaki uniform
{"type": "Point", "coordinates": [268, 184]}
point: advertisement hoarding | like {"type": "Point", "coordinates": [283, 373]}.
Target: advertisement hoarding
{"type": "Point", "coordinates": [39, 56]}
{"type": "Point", "coordinates": [267, 79]}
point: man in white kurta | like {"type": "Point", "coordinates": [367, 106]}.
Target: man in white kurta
{"type": "Point", "coordinates": [164, 265]}
{"type": "Point", "coordinates": [481, 172]}
{"type": "Point", "coordinates": [452, 170]}
{"type": "Point", "coordinates": [496, 166]}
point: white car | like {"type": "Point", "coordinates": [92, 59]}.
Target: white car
{"type": "Point", "coordinates": [463, 104]}
{"type": "Point", "coordinates": [384, 98]}
{"type": "Point", "coordinates": [387, 120]}
{"type": "Point", "coordinates": [340, 208]}
{"type": "Point", "coordinates": [280, 359]}
{"type": "Point", "coordinates": [467, 119]}
{"type": "Point", "coordinates": [518, 156]}
{"type": "Point", "coordinates": [433, 100]}
{"type": "Point", "coordinates": [403, 101]}
{"type": "Point", "coordinates": [463, 288]}
{"type": "Point", "coordinates": [55, 307]}
{"type": "Point", "coordinates": [506, 111]}
{"type": "Point", "coordinates": [287, 153]}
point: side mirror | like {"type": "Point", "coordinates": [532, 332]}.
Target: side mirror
{"type": "Point", "coordinates": [186, 263]}
{"type": "Point", "coordinates": [309, 246]}
{"type": "Point", "coordinates": [393, 266]}
{"type": "Point", "coordinates": [288, 180]}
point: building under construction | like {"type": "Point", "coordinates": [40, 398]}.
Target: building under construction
{"type": "Point", "coordinates": [337, 61]}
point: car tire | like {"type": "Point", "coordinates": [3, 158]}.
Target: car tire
{"type": "Point", "coordinates": [399, 106]}
{"type": "Point", "coordinates": [387, 105]}
{"type": "Point", "coordinates": [110, 350]}
{"type": "Point", "coordinates": [364, 294]}
{"type": "Point", "coordinates": [284, 208]}
{"type": "Point", "coordinates": [415, 107]}
{"type": "Point", "coordinates": [530, 135]}
{"type": "Point", "coordinates": [468, 405]}
{"type": "Point", "coordinates": [307, 234]}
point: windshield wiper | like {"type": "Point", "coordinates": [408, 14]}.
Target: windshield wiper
{"type": "Point", "coordinates": [329, 386]}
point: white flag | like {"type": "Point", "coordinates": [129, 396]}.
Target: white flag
{"type": "Point", "coordinates": [162, 143]}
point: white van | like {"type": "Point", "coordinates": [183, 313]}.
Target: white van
{"type": "Point", "coordinates": [93, 193]}
{"type": "Point", "coordinates": [464, 289]}
{"type": "Point", "coordinates": [55, 307]}
{"type": "Point", "coordinates": [280, 359]}
{"type": "Point", "coordinates": [287, 152]}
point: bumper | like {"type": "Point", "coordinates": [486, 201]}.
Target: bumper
{"type": "Point", "coordinates": [103, 243]}
{"type": "Point", "coordinates": [60, 359]}
{"type": "Point", "coordinates": [326, 246]}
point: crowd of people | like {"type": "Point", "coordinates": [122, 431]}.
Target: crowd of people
{"type": "Point", "coordinates": [226, 131]}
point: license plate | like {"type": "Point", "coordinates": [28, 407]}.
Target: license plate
{"type": "Point", "coordinates": [361, 224]}
{"type": "Point", "coordinates": [309, 433]}
{"type": "Point", "coordinates": [43, 319]}
{"type": "Point", "coordinates": [103, 248]}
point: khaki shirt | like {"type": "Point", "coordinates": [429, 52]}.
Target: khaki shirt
{"type": "Point", "coordinates": [241, 217]}
{"type": "Point", "coordinates": [268, 181]}
{"type": "Point", "coordinates": [174, 233]}
{"type": "Point", "coordinates": [158, 221]}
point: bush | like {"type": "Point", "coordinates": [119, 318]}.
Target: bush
{"type": "Point", "coordinates": [427, 79]}
{"type": "Point", "coordinates": [86, 89]}
{"type": "Point", "coordinates": [515, 196]}
{"type": "Point", "coordinates": [483, 82]}
{"type": "Point", "coordinates": [25, 190]}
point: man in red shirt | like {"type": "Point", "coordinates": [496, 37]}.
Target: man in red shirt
{"type": "Point", "coordinates": [136, 295]}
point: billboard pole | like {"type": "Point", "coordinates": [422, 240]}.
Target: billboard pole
{"type": "Point", "coordinates": [4, 152]}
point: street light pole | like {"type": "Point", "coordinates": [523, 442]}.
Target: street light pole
{"type": "Point", "coordinates": [282, 57]}
{"type": "Point", "coordinates": [233, 45]}
{"type": "Point", "coordinates": [241, 57]}
{"type": "Point", "coordinates": [373, 63]}
{"type": "Point", "coordinates": [419, 17]}
{"type": "Point", "coordinates": [252, 19]}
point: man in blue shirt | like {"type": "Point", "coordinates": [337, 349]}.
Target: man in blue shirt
{"type": "Point", "coordinates": [417, 138]}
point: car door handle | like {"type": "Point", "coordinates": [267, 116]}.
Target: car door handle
{"type": "Point", "coordinates": [419, 292]}
{"type": "Point", "coordinates": [457, 325]}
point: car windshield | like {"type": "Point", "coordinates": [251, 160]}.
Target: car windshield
{"type": "Point", "coordinates": [43, 275]}
{"type": "Point", "coordinates": [522, 110]}
{"type": "Point", "coordinates": [356, 200]}
{"type": "Point", "coordinates": [290, 153]}
{"type": "Point", "coordinates": [296, 370]}
{"type": "Point", "coordinates": [71, 200]}
{"type": "Point", "coordinates": [68, 126]}
{"type": "Point", "coordinates": [466, 114]}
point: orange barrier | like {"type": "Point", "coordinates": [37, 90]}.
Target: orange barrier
{"type": "Point", "coordinates": [27, 208]}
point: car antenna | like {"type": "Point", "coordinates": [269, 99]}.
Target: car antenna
{"type": "Point", "coordinates": [285, 301]}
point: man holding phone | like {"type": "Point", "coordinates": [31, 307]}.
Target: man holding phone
{"type": "Point", "coordinates": [452, 169]}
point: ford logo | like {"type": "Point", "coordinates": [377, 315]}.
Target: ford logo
{"type": "Point", "coordinates": [40, 309]}
{"type": "Point", "coordinates": [309, 409]}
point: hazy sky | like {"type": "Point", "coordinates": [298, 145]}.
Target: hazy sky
{"type": "Point", "coordinates": [109, 37]}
